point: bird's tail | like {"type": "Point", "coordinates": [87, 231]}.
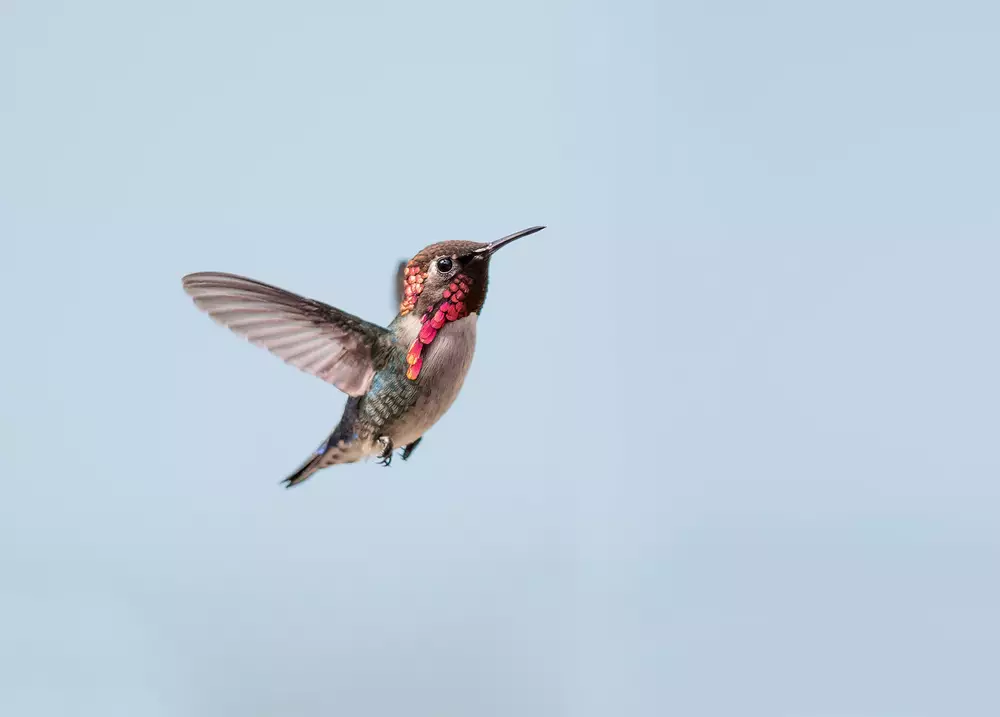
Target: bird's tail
{"type": "Point", "coordinates": [339, 447]}
{"type": "Point", "coordinates": [329, 454]}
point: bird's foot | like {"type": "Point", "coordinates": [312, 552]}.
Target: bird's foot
{"type": "Point", "coordinates": [386, 454]}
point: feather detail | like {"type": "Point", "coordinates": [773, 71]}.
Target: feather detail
{"type": "Point", "coordinates": [413, 371]}
{"type": "Point", "coordinates": [427, 333]}
{"type": "Point", "coordinates": [414, 353]}
{"type": "Point", "coordinates": [310, 335]}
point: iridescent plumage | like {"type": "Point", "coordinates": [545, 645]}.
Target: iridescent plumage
{"type": "Point", "coordinates": [400, 380]}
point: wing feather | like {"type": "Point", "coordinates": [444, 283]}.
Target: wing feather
{"type": "Point", "coordinates": [310, 335]}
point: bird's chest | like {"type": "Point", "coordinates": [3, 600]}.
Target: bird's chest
{"type": "Point", "coordinates": [446, 363]}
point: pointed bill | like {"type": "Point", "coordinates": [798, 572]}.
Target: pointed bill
{"type": "Point", "coordinates": [492, 247]}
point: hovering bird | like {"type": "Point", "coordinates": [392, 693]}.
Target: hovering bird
{"type": "Point", "coordinates": [399, 380]}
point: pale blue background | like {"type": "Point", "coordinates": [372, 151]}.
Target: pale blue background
{"type": "Point", "coordinates": [730, 444]}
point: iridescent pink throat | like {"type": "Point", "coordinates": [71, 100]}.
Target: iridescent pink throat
{"type": "Point", "coordinates": [450, 308]}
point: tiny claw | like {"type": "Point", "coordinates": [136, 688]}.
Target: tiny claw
{"type": "Point", "coordinates": [386, 454]}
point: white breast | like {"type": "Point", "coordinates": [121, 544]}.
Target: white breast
{"type": "Point", "coordinates": [446, 363]}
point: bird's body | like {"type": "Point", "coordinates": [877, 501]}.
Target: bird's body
{"type": "Point", "coordinates": [399, 380]}
{"type": "Point", "coordinates": [443, 373]}
{"type": "Point", "coordinates": [395, 407]}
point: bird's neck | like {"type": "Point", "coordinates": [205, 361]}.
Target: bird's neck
{"type": "Point", "coordinates": [417, 331]}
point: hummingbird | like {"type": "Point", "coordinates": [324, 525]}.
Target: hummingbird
{"type": "Point", "coordinates": [399, 380]}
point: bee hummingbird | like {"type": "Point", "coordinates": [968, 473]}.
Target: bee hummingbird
{"type": "Point", "coordinates": [399, 381]}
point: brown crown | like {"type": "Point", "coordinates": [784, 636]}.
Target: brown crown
{"type": "Point", "coordinates": [415, 272]}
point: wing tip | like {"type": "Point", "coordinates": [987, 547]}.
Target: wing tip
{"type": "Point", "coordinates": [189, 282]}
{"type": "Point", "coordinates": [210, 275]}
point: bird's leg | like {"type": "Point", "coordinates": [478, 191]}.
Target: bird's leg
{"type": "Point", "coordinates": [408, 449]}
{"type": "Point", "coordinates": [386, 454]}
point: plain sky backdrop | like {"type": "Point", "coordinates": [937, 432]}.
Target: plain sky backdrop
{"type": "Point", "coordinates": [731, 442]}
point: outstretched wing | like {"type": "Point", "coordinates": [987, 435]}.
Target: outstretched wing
{"type": "Point", "coordinates": [319, 339]}
{"type": "Point", "coordinates": [400, 275]}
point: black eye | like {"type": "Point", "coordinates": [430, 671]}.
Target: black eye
{"type": "Point", "coordinates": [444, 265]}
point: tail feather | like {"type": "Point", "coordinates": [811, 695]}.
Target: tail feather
{"type": "Point", "coordinates": [327, 455]}
{"type": "Point", "coordinates": [307, 469]}
{"type": "Point", "coordinates": [339, 447]}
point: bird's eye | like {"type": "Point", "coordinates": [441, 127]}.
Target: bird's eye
{"type": "Point", "coordinates": [444, 265]}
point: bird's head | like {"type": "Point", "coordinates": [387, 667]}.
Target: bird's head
{"type": "Point", "coordinates": [449, 278]}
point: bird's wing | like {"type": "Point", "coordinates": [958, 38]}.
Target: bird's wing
{"type": "Point", "coordinates": [308, 334]}
{"type": "Point", "coordinates": [400, 275]}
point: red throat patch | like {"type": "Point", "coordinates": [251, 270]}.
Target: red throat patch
{"type": "Point", "coordinates": [450, 308]}
{"type": "Point", "coordinates": [413, 284]}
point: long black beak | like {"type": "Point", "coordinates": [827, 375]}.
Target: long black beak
{"type": "Point", "coordinates": [490, 248]}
